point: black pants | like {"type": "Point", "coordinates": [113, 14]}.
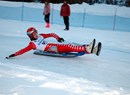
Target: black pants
{"type": "Point", "coordinates": [47, 18]}
{"type": "Point", "coordinates": [66, 22]}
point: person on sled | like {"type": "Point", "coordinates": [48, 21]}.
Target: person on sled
{"type": "Point", "coordinates": [38, 42]}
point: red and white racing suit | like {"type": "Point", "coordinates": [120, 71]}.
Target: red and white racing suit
{"type": "Point", "coordinates": [41, 44]}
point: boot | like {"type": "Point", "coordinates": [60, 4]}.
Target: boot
{"type": "Point", "coordinates": [97, 49]}
{"type": "Point", "coordinates": [89, 48]}
{"type": "Point", "coordinates": [47, 25]}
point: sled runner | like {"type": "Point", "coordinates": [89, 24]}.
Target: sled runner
{"type": "Point", "coordinates": [71, 54]}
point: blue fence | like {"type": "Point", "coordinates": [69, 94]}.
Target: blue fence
{"type": "Point", "coordinates": [87, 20]}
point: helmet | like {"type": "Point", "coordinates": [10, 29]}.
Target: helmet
{"type": "Point", "coordinates": [31, 32]}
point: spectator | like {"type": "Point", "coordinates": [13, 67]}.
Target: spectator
{"type": "Point", "coordinates": [65, 12]}
{"type": "Point", "coordinates": [46, 14]}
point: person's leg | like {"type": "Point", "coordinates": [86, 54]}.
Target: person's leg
{"type": "Point", "coordinates": [66, 22]}
{"type": "Point", "coordinates": [47, 20]}
{"type": "Point", "coordinates": [65, 48]}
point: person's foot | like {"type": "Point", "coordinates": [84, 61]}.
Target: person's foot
{"type": "Point", "coordinates": [47, 25]}
{"type": "Point", "coordinates": [97, 49]}
{"type": "Point", "coordinates": [90, 47]}
{"type": "Point", "coordinates": [66, 29]}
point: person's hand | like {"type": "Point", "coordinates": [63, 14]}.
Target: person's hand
{"type": "Point", "coordinates": [60, 40]}
{"type": "Point", "coordinates": [12, 55]}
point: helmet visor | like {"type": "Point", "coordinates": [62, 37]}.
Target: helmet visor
{"type": "Point", "coordinates": [31, 32]}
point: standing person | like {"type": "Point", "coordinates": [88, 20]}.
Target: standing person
{"type": "Point", "coordinates": [38, 42]}
{"type": "Point", "coordinates": [46, 14]}
{"type": "Point", "coordinates": [65, 12]}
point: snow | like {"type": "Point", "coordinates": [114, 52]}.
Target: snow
{"type": "Point", "coordinates": [29, 74]}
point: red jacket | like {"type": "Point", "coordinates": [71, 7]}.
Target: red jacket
{"type": "Point", "coordinates": [65, 10]}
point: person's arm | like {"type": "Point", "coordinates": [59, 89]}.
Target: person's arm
{"type": "Point", "coordinates": [49, 8]}
{"type": "Point", "coordinates": [68, 10]}
{"type": "Point", "coordinates": [24, 50]}
{"type": "Point", "coordinates": [59, 39]}
{"type": "Point", "coordinates": [61, 11]}
{"type": "Point", "coordinates": [44, 10]}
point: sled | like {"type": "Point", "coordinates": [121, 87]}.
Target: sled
{"type": "Point", "coordinates": [54, 54]}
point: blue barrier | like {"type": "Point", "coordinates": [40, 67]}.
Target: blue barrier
{"type": "Point", "coordinates": [86, 20]}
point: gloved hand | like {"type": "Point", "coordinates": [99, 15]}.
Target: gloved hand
{"type": "Point", "coordinates": [12, 55]}
{"type": "Point", "coordinates": [60, 40]}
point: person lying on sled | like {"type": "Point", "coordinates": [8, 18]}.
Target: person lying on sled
{"type": "Point", "coordinates": [38, 42]}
